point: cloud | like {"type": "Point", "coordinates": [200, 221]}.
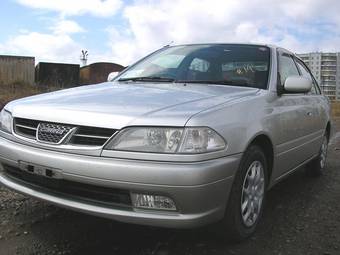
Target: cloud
{"type": "Point", "coordinates": [301, 26]}
{"type": "Point", "coordinates": [57, 45]}
{"type": "Point", "coordinates": [124, 48]}
{"type": "Point", "coordinates": [100, 8]}
{"type": "Point", "coordinates": [143, 26]}
{"type": "Point", "coordinates": [45, 47]}
{"type": "Point", "coordinates": [67, 27]}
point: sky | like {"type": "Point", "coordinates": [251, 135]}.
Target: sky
{"type": "Point", "coordinates": [124, 31]}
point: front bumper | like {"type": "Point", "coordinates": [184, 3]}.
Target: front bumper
{"type": "Point", "coordinates": [199, 189]}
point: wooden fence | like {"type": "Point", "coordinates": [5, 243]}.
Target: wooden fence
{"type": "Point", "coordinates": [16, 70]}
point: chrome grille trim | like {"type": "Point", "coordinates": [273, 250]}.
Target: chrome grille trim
{"type": "Point", "coordinates": [27, 127]}
{"type": "Point", "coordinates": [76, 136]}
{"type": "Point", "coordinates": [93, 136]}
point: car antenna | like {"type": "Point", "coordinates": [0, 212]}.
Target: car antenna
{"type": "Point", "coordinates": [168, 45]}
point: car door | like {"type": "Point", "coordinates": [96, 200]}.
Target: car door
{"type": "Point", "coordinates": [319, 106]}
{"type": "Point", "coordinates": [293, 121]}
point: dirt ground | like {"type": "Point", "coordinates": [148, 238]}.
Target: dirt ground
{"type": "Point", "coordinates": [302, 216]}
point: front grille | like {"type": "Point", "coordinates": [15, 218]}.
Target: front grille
{"type": "Point", "coordinates": [109, 197]}
{"type": "Point", "coordinates": [57, 133]}
{"type": "Point", "coordinates": [91, 136]}
{"type": "Point", "coordinates": [52, 133]}
{"type": "Point", "coordinates": [25, 127]}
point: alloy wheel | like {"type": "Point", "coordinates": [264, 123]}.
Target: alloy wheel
{"type": "Point", "coordinates": [252, 193]}
{"type": "Point", "coordinates": [323, 152]}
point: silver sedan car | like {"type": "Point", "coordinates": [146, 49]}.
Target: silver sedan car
{"type": "Point", "coordinates": [188, 136]}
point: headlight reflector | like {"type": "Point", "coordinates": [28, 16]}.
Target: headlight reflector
{"type": "Point", "coordinates": [6, 121]}
{"type": "Point", "coordinates": [167, 140]}
{"type": "Point", "coordinates": [201, 140]}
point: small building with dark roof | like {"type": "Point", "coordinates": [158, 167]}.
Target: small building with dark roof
{"type": "Point", "coordinates": [98, 72]}
{"type": "Point", "coordinates": [58, 75]}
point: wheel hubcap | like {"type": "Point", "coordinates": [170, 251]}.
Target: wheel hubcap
{"type": "Point", "coordinates": [323, 153]}
{"type": "Point", "coordinates": [252, 193]}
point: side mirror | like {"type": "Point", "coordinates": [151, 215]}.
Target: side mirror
{"type": "Point", "coordinates": [112, 75]}
{"type": "Point", "coordinates": [297, 84]}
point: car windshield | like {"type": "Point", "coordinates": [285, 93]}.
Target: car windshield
{"type": "Point", "coordinates": [222, 64]}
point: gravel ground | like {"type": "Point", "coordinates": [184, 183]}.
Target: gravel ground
{"type": "Point", "coordinates": [301, 217]}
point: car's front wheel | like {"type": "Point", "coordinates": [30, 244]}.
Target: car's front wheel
{"type": "Point", "coordinates": [247, 196]}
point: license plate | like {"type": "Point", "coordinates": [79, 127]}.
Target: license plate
{"type": "Point", "coordinates": [40, 170]}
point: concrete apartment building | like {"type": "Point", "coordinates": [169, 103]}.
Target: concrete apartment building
{"type": "Point", "coordinates": [326, 70]}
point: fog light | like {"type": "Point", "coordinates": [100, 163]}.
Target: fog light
{"type": "Point", "coordinates": [153, 202]}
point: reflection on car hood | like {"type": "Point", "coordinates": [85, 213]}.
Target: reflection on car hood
{"type": "Point", "coordinates": [116, 105]}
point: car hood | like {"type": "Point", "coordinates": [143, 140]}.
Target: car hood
{"type": "Point", "coordinates": [115, 105]}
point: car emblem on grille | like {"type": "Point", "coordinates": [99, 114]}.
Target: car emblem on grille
{"type": "Point", "coordinates": [52, 133]}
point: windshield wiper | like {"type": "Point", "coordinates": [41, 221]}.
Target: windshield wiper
{"type": "Point", "coordinates": [148, 79]}
{"type": "Point", "coordinates": [217, 82]}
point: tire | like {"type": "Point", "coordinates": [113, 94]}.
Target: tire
{"type": "Point", "coordinates": [234, 226]}
{"type": "Point", "coordinates": [316, 167]}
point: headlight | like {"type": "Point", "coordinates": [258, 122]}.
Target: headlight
{"type": "Point", "coordinates": [167, 140]}
{"type": "Point", "coordinates": [159, 140]}
{"type": "Point", "coordinates": [6, 121]}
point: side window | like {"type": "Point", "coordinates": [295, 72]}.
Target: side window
{"type": "Point", "coordinates": [305, 72]}
{"type": "Point", "coordinates": [287, 67]}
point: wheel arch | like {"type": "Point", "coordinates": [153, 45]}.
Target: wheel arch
{"type": "Point", "coordinates": [265, 143]}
